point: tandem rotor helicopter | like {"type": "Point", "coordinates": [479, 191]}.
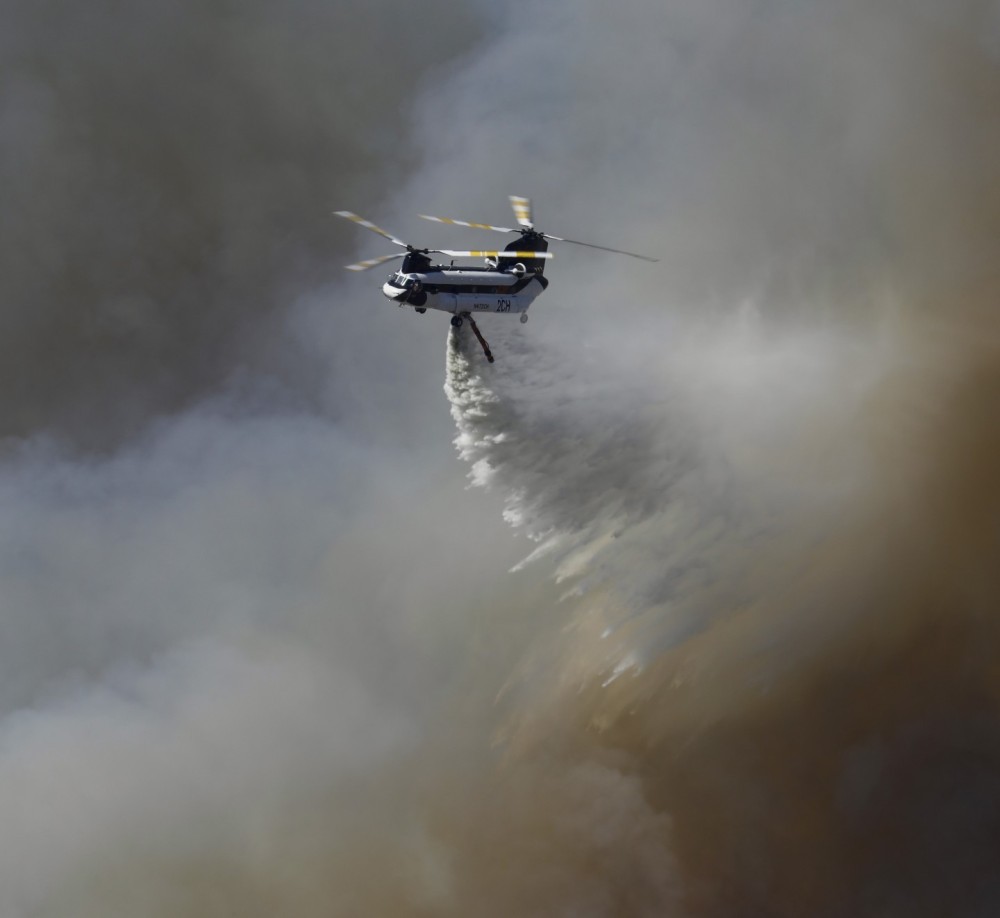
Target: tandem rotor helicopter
{"type": "Point", "coordinates": [509, 283]}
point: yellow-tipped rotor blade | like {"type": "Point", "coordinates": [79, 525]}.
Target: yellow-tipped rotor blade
{"type": "Point", "coordinates": [451, 222]}
{"type": "Point", "coordinates": [373, 262]}
{"type": "Point", "coordinates": [494, 253]}
{"type": "Point", "coordinates": [367, 224]}
{"type": "Point", "coordinates": [522, 210]}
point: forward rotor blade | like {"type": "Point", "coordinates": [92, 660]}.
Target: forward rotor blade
{"type": "Point", "coordinates": [603, 248]}
{"type": "Point", "coordinates": [347, 215]}
{"type": "Point", "coordinates": [373, 262]}
{"type": "Point", "coordinates": [487, 226]}
{"type": "Point", "coordinates": [522, 210]}
{"type": "Point", "coordinates": [492, 254]}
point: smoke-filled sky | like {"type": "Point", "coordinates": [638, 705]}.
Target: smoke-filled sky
{"type": "Point", "coordinates": [697, 620]}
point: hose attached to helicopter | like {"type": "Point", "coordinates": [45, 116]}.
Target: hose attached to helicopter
{"type": "Point", "coordinates": [479, 336]}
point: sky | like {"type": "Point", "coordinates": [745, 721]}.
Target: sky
{"type": "Point", "coordinates": [684, 606]}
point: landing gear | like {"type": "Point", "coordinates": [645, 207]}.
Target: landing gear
{"type": "Point", "coordinates": [421, 309]}
{"type": "Point", "coordinates": [524, 317]}
{"type": "Point", "coordinates": [456, 321]}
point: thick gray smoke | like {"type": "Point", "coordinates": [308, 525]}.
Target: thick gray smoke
{"type": "Point", "coordinates": [168, 175]}
{"type": "Point", "coordinates": [265, 653]}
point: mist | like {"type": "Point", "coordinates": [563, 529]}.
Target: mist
{"type": "Point", "coordinates": [684, 606]}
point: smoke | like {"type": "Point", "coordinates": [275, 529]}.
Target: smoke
{"type": "Point", "coordinates": [266, 653]}
{"type": "Point", "coordinates": [770, 504]}
{"type": "Point", "coordinates": [169, 174]}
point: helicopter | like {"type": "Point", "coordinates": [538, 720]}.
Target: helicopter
{"type": "Point", "coordinates": [509, 283]}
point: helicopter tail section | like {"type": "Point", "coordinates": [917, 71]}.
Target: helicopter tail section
{"type": "Point", "coordinates": [534, 242]}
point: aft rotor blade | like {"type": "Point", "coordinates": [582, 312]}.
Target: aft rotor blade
{"type": "Point", "coordinates": [522, 210]}
{"type": "Point", "coordinates": [486, 226]}
{"type": "Point", "coordinates": [347, 215]}
{"type": "Point", "coordinates": [373, 262]}
{"type": "Point", "coordinates": [603, 248]}
{"type": "Point", "coordinates": [493, 254]}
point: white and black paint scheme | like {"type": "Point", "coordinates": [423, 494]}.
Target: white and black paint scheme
{"type": "Point", "coordinates": [511, 281]}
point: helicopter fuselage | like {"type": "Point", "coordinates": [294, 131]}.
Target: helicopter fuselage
{"type": "Point", "coordinates": [465, 290]}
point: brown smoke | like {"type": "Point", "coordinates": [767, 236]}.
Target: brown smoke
{"type": "Point", "coordinates": [765, 681]}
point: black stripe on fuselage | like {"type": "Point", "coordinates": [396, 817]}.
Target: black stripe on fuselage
{"type": "Point", "coordinates": [480, 287]}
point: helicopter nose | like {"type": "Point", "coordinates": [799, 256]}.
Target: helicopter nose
{"type": "Point", "coordinates": [393, 292]}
